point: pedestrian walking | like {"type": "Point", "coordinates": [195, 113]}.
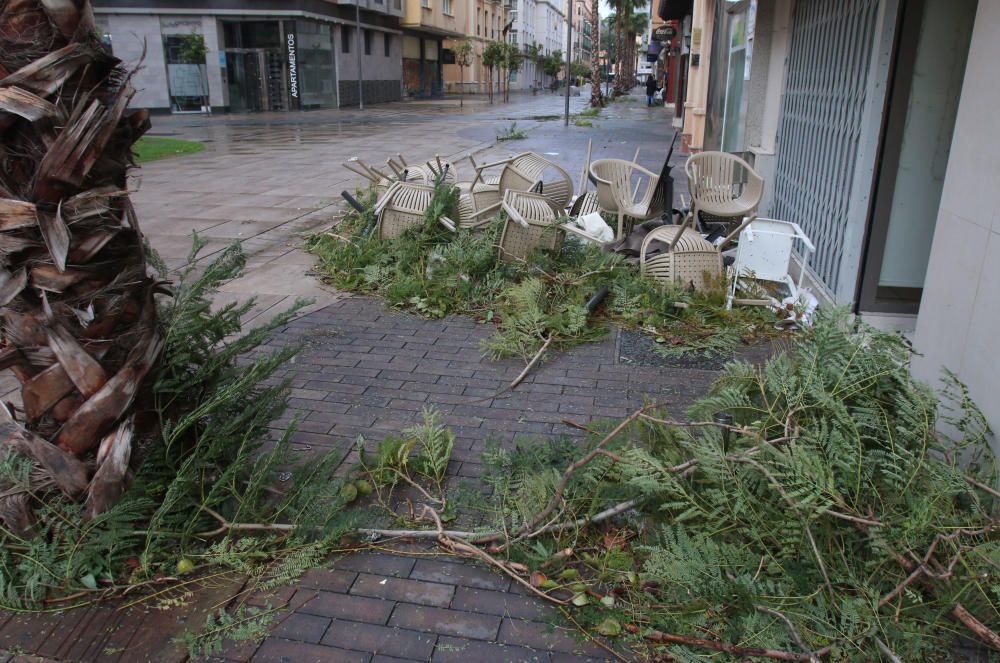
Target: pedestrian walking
{"type": "Point", "coordinates": [650, 89]}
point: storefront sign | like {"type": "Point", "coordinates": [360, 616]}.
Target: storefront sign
{"type": "Point", "coordinates": [293, 68]}
{"type": "Point", "coordinates": [664, 33]}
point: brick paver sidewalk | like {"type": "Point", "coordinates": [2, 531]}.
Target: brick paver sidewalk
{"type": "Point", "coordinates": [369, 370]}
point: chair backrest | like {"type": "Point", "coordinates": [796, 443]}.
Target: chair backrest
{"type": "Point", "coordinates": [525, 171]}
{"type": "Point", "coordinates": [613, 179]}
{"type": "Point", "coordinates": [406, 204]}
{"type": "Point", "coordinates": [765, 248]}
{"type": "Point", "coordinates": [531, 224]}
{"type": "Point", "coordinates": [720, 177]}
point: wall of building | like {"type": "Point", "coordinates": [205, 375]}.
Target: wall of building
{"type": "Point", "coordinates": [381, 74]}
{"type": "Point", "coordinates": [959, 315]}
{"type": "Point", "coordinates": [136, 40]}
{"type": "Point", "coordinates": [430, 16]}
{"type": "Point", "coordinates": [702, 29]}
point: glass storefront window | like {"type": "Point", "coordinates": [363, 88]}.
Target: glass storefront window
{"type": "Point", "coordinates": [317, 75]}
{"type": "Point", "coordinates": [187, 75]}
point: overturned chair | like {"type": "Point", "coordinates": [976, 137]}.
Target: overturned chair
{"type": "Point", "coordinates": [532, 223]}
{"type": "Point", "coordinates": [679, 255]}
{"type": "Point", "coordinates": [525, 172]}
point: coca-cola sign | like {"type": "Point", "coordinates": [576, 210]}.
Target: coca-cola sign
{"type": "Point", "coordinates": [664, 33]}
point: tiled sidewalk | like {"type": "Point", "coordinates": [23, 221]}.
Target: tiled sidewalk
{"type": "Point", "coordinates": [368, 370]}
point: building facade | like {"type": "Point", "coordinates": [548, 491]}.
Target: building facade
{"type": "Point", "coordinates": [485, 23]}
{"type": "Point", "coordinates": [541, 23]}
{"type": "Point", "coordinates": [874, 125]}
{"type": "Point", "coordinates": [426, 25]}
{"type": "Point", "coordinates": [255, 55]}
{"type": "Point", "coordinates": [582, 37]}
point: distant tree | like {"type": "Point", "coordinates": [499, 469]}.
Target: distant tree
{"type": "Point", "coordinates": [553, 63]}
{"type": "Point", "coordinates": [637, 25]}
{"type": "Point", "coordinates": [513, 59]}
{"type": "Point", "coordinates": [493, 58]}
{"type": "Point", "coordinates": [463, 51]}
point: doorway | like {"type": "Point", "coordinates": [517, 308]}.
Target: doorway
{"type": "Point", "coordinates": [256, 80]}
{"type": "Point", "coordinates": [926, 84]}
{"type": "Point", "coordinates": [255, 66]}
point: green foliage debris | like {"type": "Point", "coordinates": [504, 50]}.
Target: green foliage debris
{"type": "Point", "coordinates": [434, 273]}
{"type": "Point", "coordinates": [831, 519]}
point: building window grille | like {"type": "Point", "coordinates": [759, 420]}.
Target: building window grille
{"type": "Point", "coordinates": [368, 42]}
{"type": "Point", "coordinates": [446, 7]}
{"type": "Point", "coordinates": [387, 44]}
{"type": "Point", "coordinates": [345, 39]}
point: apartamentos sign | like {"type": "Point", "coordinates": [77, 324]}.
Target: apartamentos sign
{"type": "Point", "coordinates": [293, 68]}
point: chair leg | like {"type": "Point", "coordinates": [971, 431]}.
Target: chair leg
{"type": "Point", "coordinates": [621, 224]}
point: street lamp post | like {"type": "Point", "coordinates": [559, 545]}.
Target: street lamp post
{"type": "Point", "coordinates": [569, 58]}
{"type": "Point", "coordinates": [361, 88]}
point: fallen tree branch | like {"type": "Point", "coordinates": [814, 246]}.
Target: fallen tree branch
{"type": "Point", "coordinates": [457, 546]}
{"type": "Point", "coordinates": [661, 637]}
{"type": "Point", "coordinates": [226, 526]}
{"type": "Point", "coordinates": [985, 634]}
{"type": "Point", "coordinates": [487, 537]}
{"type": "Point", "coordinates": [531, 364]}
{"type": "Point", "coordinates": [791, 631]}
{"type": "Point", "coordinates": [571, 470]}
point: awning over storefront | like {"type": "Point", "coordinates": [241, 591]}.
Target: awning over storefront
{"type": "Point", "coordinates": [674, 10]}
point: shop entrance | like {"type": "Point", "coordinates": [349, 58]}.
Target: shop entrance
{"type": "Point", "coordinates": [255, 66]}
{"type": "Point", "coordinates": [256, 80]}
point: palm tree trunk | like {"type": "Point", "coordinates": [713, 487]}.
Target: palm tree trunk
{"type": "Point", "coordinates": [78, 319]}
{"type": "Point", "coordinates": [619, 48]}
{"type": "Point", "coordinates": [595, 65]}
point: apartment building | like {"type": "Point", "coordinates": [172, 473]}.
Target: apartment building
{"type": "Point", "coordinates": [426, 24]}
{"type": "Point", "coordinates": [256, 55]}
{"type": "Point", "coordinates": [582, 38]}
{"type": "Point", "coordinates": [541, 22]}
{"type": "Point", "coordinates": [485, 23]}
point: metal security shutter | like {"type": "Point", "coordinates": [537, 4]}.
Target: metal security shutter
{"type": "Point", "coordinates": [822, 122]}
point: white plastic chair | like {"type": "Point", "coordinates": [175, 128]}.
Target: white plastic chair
{"type": "Point", "coordinates": [765, 251]}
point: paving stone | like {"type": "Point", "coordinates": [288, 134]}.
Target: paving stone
{"type": "Point", "coordinates": [462, 650]}
{"type": "Point", "coordinates": [447, 622]}
{"type": "Point", "coordinates": [387, 640]}
{"type": "Point", "coordinates": [500, 603]}
{"type": "Point", "coordinates": [331, 580]}
{"type": "Point", "coordinates": [545, 637]}
{"type": "Point", "coordinates": [458, 574]}
{"type": "Point", "coordinates": [376, 563]}
{"type": "Point", "coordinates": [399, 589]}
{"type": "Point", "coordinates": [278, 650]}
{"type": "Point", "coordinates": [302, 627]}
{"type": "Point", "coordinates": [344, 606]}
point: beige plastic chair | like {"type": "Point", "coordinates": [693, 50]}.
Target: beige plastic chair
{"type": "Point", "coordinates": [402, 206]}
{"type": "Point", "coordinates": [586, 201]}
{"type": "Point", "coordinates": [688, 259]}
{"type": "Point", "coordinates": [529, 172]}
{"type": "Point", "coordinates": [427, 173]}
{"type": "Point", "coordinates": [723, 187]}
{"type": "Point", "coordinates": [627, 190]}
{"type": "Point", "coordinates": [532, 223]}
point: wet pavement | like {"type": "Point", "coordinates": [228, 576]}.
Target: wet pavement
{"type": "Point", "coordinates": [269, 180]}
